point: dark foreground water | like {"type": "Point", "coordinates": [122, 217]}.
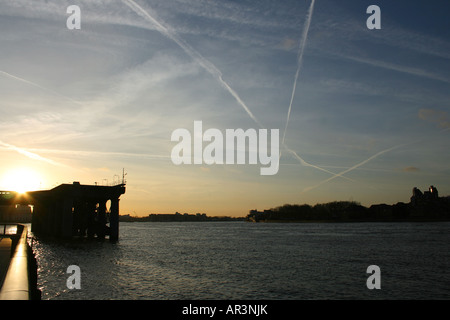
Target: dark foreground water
{"type": "Point", "coordinates": [239, 260]}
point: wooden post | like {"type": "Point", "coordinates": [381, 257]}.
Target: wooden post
{"type": "Point", "coordinates": [114, 220]}
{"type": "Point", "coordinates": [101, 219]}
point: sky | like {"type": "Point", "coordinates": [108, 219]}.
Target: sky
{"type": "Point", "coordinates": [363, 114]}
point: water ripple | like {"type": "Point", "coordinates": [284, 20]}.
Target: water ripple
{"type": "Point", "coordinates": [239, 260]}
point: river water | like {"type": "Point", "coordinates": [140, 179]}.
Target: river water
{"type": "Point", "coordinates": [251, 261]}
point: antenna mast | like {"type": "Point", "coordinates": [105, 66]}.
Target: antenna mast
{"type": "Point", "coordinates": [123, 176]}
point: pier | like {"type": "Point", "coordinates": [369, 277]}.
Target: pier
{"type": "Point", "coordinates": [66, 211]}
{"type": "Point", "coordinates": [70, 210]}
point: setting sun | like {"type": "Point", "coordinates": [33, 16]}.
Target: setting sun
{"type": "Point", "coordinates": [20, 180]}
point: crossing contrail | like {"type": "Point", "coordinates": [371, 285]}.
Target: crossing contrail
{"type": "Point", "coordinates": [306, 164]}
{"type": "Point", "coordinates": [217, 74]}
{"type": "Point", "coordinates": [39, 86]}
{"type": "Point", "coordinates": [367, 160]}
{"type": "Point", "coordinates": [357, 165]}
{"type": "Point", "coordinates": [299, 62]}
{"type": "Point", "coordinates": [301, 50]}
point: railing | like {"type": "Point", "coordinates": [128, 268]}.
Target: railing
{"type": "Point", "coordinates": [17, 284]}
{"type": "Point", "coordinates": [117, 183]}
{"type": "Point", "coordinates": [111, 184]}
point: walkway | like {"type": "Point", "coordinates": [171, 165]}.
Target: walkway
{"type": "Point", "coordinates": [5, 257]}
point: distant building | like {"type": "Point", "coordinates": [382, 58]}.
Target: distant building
{"type": "Point", "coordinates": [434, 192]}
{"type": "Point", "coordinates": [418, 196]}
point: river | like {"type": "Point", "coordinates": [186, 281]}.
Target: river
{"type": "Point", "coordinates": [251, 261]}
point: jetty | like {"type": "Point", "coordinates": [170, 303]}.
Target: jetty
{"type": "Point", "coordinates": [70, 210]}
{"type": "Point", "coordinates": [66, 211]}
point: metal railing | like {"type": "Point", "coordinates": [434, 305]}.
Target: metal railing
{"type": "Point", "coordinates": [114, 183]}
{"type": "Point", "coordinates": [17, 284]}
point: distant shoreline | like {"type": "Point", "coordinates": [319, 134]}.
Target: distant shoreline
{"type": "Point", "coordinates": [426, 207]}
{"type": "Point", "coordinates": [177, 217]}
{"type": "Point", "coordinates": [422, 208]}
{"type": "Point", "coordinates": [173, 218]}
{"type": "Point", "coordinates": [351, 221]}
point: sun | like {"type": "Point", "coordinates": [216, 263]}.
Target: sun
{"type": "Point", "coordinates": [20, 180]}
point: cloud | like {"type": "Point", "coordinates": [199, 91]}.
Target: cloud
{"type": "Point", "coordinates": [411, 169]}
{"type": "Point", "coordinates": [190, 51]}
{"type": "Point", "coordinates": [288, 44]}
{"type": "Point", "coordinates": [90, 154]}
{"type": "Point", "coordinates": [441, 118]}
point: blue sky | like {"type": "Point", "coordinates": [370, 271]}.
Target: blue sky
{"type": "Point", "coordinates": [371, 106]}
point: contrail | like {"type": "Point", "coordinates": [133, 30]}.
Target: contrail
{"type": "Point", "coordinates": [212, 69]}
{"type": "Point", "coordinates": [367, 160]}
{"type": "Point", "coordinates": [356, 166]}
{"type": "Point", "coordinates": [216, 73]}
{"type": "Point", "coordinates": [29, 154]}
{"type": "Point", "coordinates": [302, 46]}
{"type": "Point", "coordinates": [194, 54]}
{"type": "Point", "coordinates": [299, 61]}
{"type": "Point", "coordinates": [306, 164]}
{"type": "Point", "coordinates": [40, 87]}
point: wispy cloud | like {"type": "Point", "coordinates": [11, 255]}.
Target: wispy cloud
{"type": "Point", "coordinates": [439, 117]}
{"type": "Point", "coordinates": [146, 67]}
{"type": "Point", "coordinates": [214, 71]}
{"type": "Point", "coordinates": [411, 169]}
{"type": "Point", "coordinates": [89, 154]}
{"type": "Point", "coordinates": [194, 54]}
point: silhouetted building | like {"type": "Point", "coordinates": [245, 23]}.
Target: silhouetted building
{"type": "Point", "coordinates": [431, 194]}
{"type": "Point", "coordinates": [417, 195]}
{"type": "Point", "coordinates": [434, 192]}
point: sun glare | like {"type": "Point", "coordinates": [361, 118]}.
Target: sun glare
{"type": "Point", "coordinates": [20, 180]}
